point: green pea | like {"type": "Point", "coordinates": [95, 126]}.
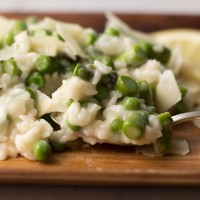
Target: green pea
{"type": "Point", "coordinates": [58, 146]}
{"type": "Point", "coordinates": [134, 57]}
{"type": "Point", "coordinates": [166, 120]}
{"type": "Point", "coordinates": [103, 92]}
{"type": "Point", "coordinates": [150, 50]}
{"type": "Point", "coordinates": [162, 144]}
{"type": "Point", "coordinates": [43, 64]}
{"type": "Point", "coordinates": [108, 62]}
{"type": "Point", "coordinates": [116, 126]}
{"type": "Point", "coordinates": [69, 102]}
{"type": "Point", "coordinates": [126, 85]}
{"type": "Point", "coordinates": [131, 103]}
{"type": "Point", "coordinates": [42, 150]}
{"type": "Point", "coordinates": [36, 79]}
{"type": "Point", "coordinates": [112, 31]}
{"type": "Point", "coordinates": [90, 39]}
{"type": "Point", "coordinates": [183, 90]}
{"type": "Point", "coordinates": [83, 72]}
{"type": "Point", "coordinates": [9, 39]}
{"type": "Point", "coordinates": [132, 131]}
{"type": "Point", "coordinates": [18, 26]}
{"type": "Point", "coordinates": [10, 67]}
{"type": "Point", "coordinates": [31, 92]}
{"type": "Point", "coordinates": [72, 126]}
{"type": "Point", "coordinates": [135, 124]}
{"type": "Point", "coordinates": [145, 92]}
{"type": "Point", "coordinates": [109, 80]}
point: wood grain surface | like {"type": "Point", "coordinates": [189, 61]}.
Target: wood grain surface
{"type": "Point", "coordinates": [109, 164]}
{"type": "Point", "coordinates": [144, 22]}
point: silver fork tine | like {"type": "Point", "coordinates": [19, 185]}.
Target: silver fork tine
{"type": "Point", "coordinates": [184, 117]}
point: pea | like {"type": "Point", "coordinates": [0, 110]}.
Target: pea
{"type": "Point", "coordinates": [18, 26]}
{"type": "Point", "coordinates": [134, 57]}
{"type": "Point", "coordinates": [90, 39]}
{"type": "Point", "coordinates": [109, 80]}
{"type": "Point", "coordinates": [166, 120]}
{"type": "Point", "coordinates": [145, 92]}
{"type": "Point", "coordinates": [112, 31]}
{"type": "Point", "coordinates": [30, 91]}
{"type": "Point", "coordinates": [42, 150]}
{"type": "Point", "coordinates": [43, 64]}
{"type": "Point", "coordinates": [36, 79]}
{"type": "Point", "coordinates": [116, 126]}
{"type": "Point", "coordinates": [9, 39]}
{"type": "Point", "coordinates": [72, 126]}
{"type": "Point", "coordinates": [183, 90]}
{"type": "Point", "coordinates": [126, 85]}
{"type": "Point", "coordinates": [69, 102]}
{"type": "Point", "coordinates": [162, 144]}
{"type": "Point", "coordinates": [83, 72]}
{"type": "Point", "coordinates": [134, 125]}
{"type": "Point", "coordinates": [150, 49]}
{"type": "Point", "coordinates": [131, 103]}
{"type": "Point", "coordinates": [108, 62]}
{"type": "Point", "coordinates": [10, 67]}
{"type": "Point", "coordinates": [103, 93]}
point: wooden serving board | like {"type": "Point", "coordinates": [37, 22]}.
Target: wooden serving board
{"type": "Point", "coordinates": [109, 164]}
{"type": "Point", "coordinates": [143, 22]}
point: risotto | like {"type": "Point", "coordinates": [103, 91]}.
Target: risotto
{"type": "Point", "coordinates": [110, 87]}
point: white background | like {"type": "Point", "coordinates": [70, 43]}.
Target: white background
{"type": "Point", "coordinates": [190, 7]}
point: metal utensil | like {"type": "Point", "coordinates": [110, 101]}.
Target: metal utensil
{"type": "Point", "coordinates": [184, 117]}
